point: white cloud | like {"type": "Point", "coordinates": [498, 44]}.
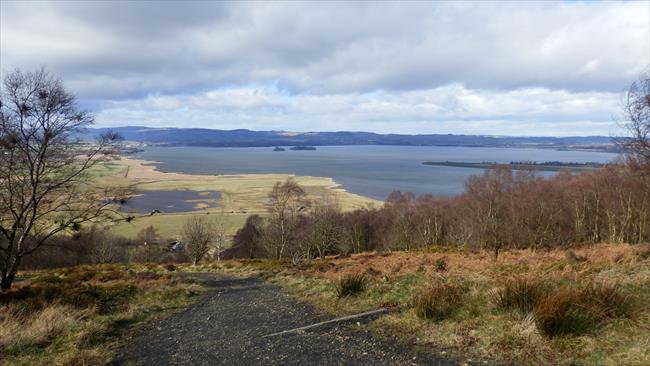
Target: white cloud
{"type": "Point", "coordinates": [449, 109]}
{"type": "Point", "coordinates": [399, 67]}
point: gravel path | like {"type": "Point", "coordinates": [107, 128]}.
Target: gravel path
{"type": "Point", "coordinates": [226, 327]}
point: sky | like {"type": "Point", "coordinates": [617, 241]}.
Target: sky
{"type": "Point", "coordinates": [500, 68]}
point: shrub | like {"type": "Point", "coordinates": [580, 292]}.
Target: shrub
{"type": "Point", "coordinates": [521, 294]}
{"type": "Point", "coordinates": [439, 300]}
{"type": "Point", "coordinates": [111, 275]}
{"type": "Point", "coordinates": [82, 275]}
{"type": "Point", "coordinates": [170, 267]}
{"type": "Point", "coordinates": [351, 284]}
{"type": "Point", "coordinates": [79, 297]}
{"type": "Point", "coordinates": [49, 279]}
{"type": "Point", "coordinates": [146, 276]}
{"type": "Point", "coordinates": [25, 300]}
{"type": "Point", "coordinates": [114, 298]}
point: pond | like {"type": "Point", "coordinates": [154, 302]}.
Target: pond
{"type": "Point", "coordinates": [171, 201]}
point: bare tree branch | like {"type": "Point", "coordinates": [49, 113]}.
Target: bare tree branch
{"type": "Point", "coordinates": [44, 166]}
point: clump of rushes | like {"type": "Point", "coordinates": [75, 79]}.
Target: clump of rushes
{"type": "Point", "coordinates": [351, 284]}
{"type": "Point", "coordinates": [439, 300]}
{"type": "Point", "coordinates": [577, 311]}
{"type": "Point", "coordinates": [608, 300]}
{"type": "Point", "coordinates": [562, 312]}
{"type": "Point", "coordinates": [441, 265]}
{"type": "Point", "coordinates": [520, 294]}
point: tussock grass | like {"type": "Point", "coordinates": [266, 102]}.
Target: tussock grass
{"type": "Point", "coordinates": [571, 310]}
{"type": "Point", "coordinates": [562, 312]}
{"type": "Point", "coordinates": [439, 300]}
{"type": "Point", "coordinates": [351, 284]}
{"type": "Point", "coordinates": [609, 300]}
{"type": "Point", "coordinates": [521, 294]}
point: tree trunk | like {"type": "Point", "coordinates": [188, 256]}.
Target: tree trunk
{"type": "Point", "coordinates": [7, 280]}
{"type": "Point", "coordinates": [9, 273]}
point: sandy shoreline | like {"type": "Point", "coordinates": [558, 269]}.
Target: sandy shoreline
{"type": "Point", "coordinates": [241, 194]}
{"type": "Point", "coordinates": [148, 169]}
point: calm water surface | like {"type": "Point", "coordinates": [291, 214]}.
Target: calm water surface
{"type": "Point", "coordinates": [171, 201]}
{"type": "Point", "coordinates": [372, 171]}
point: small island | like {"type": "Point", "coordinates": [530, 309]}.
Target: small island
{"type": "Point", "coordinates": [548, 166]}
{"type": "Point", "coordinates": [277, 148]}
{"type": "Point", "coordinates": [302, 148]}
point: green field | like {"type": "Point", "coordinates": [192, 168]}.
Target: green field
{"type": "Point", "coordinates": [171, 225]}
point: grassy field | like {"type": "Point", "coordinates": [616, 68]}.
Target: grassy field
{"type": "Point", "coordinates": [241, 195]}
{"type": "Point", "coordinates": [80, 315]}
{"type": "Point", "coordinates": [588, 306]}
{"type": "Point", "coordinates": [585, 306]}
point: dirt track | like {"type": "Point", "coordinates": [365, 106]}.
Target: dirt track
{"type": "Point", "coordinates": [226, 327]}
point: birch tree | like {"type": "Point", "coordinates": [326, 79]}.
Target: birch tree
{"type": "Point", "coordinates": [45, 188]}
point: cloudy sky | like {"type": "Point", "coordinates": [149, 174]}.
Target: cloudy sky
{"type": "Point", "coordinates": [539, 68]}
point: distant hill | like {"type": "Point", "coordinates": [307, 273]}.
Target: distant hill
{"type": "Point", "coordinates": [248, 138]}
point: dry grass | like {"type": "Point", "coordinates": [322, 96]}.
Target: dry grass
{"type": "Point", "coordinates": [37, 328]}
{"type": "Point", "coordinates": [521, 293]}
{"type": "Point", "coordinates": [571, 310]}
{"type": "Point", "coordinates": [439, 300]}
{"type": "Point", "coordinates": [76, 316]}
{"type": "Point", "coordinates": [480, 263]}
{"type": "Point", "coordinates": [351, 284]}
{"type": "Point", "coordinates": [562, 312]}
{"type": "Point", "coordinates": [494, 318]}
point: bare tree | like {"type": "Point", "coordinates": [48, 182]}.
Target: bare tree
{"type": "Point", "coordinates": [401, 206]}
{"type": "Point", "coordinates": [250, 236]}
{"type": "Point", "coordinates": [45, 188]}
{"type": "Point", "coordinates": [358, 231]}
{"type": "Point", "coordinates": [219, 227]}
{"type": "Point", "coordinates": [148, 239]}
{"type": "Point", "coordinates": [198, 232]}
{"type": "Point", "coordinates": [489, 206]}
{"type": "Point", "coordinates": [104, 247]}
{"type": "Point", "coordinates": [430, 220]}
{"type": "Point", "coordinates": [637, 111]}
{"type": "Point", "coordinates": [286, 202]}
{"type": "Point", "coordinates": [326, 233]}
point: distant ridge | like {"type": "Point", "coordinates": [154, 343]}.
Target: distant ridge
{"type": "Point", "coordinates": [248, 138]}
